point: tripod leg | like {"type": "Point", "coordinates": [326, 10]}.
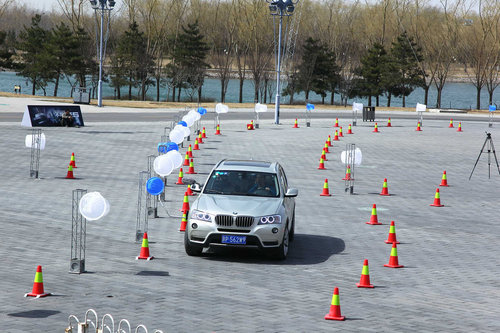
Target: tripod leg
{"type": "Point", "coordinates": [484, 144]}
{"type": "Point", "coordinates": [495, 155]}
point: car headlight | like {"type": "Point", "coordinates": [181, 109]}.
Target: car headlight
{"type": "Point", "coordinates": [201, 216]}
{"type": "Point", "coordinates": [270, 219]}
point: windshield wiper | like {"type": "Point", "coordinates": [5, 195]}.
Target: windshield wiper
{"type": "Point", "coordinates": [213, 192]}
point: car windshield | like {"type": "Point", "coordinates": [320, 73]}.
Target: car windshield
{"type": "Point", "coordinates": [248, 183]}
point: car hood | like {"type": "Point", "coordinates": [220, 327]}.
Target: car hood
{"type": "Point", "coordinates": [240, 205]}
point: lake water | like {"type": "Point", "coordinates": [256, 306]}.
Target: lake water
{"type": "Point", "coordinates": [455, 95]}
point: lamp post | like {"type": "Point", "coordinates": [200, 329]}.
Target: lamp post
{"type": "Point", "coordinates": [280, 8]}
{"type": "Point", "coordinates": [101, 6]}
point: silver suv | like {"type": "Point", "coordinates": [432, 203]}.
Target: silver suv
{"type": "Point", "coordinates": [243, 204]}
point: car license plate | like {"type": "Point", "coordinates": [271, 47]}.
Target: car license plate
{"type": "Point", "coordinates": [228, 239]}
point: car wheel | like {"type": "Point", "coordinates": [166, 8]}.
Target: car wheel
{"type": "Point", "coordinates": [191, 249]}
{"type": "Point", "coordinates": [282, 251]}
{"type": "Point", "coordinates": [292, 228]}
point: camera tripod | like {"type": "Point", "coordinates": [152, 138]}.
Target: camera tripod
{"type": "Point", "coordinates": [491, 149]}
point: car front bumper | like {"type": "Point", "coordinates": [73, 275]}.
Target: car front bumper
{"type": "Point", "coordinates": [209, 234]}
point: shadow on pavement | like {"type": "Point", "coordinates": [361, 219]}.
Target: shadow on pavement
{"type": "Point", "coordinates": [304, 250]}
{"type": "Point", "coordinates": [34, 314]}
{"type": "Point", "coordinates": [153, 273]}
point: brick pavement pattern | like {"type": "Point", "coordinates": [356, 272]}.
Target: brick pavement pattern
{"type": "Point", "coordinates": [449, 282]}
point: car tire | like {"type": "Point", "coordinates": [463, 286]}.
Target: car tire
{"type": "Point", "coordinates": [281, 252]}
{"type": "Point", "coordinates": [190, 248]}
{"type": "Point", "coordinates": [291, 236]}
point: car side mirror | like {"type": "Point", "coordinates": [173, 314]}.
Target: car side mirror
{"type": "Point", "coordinates": [292, 192]}
{"type": "Point", "coordinates": [195, 187]}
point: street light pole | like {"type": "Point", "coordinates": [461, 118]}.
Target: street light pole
{"type": "Point", "coordinates": [280, 8]}
{"type": "Point", "coordinates": [99, 86]}
{"type": "Point", "coordinates": [278, 74]}
{"type": "Point", "coordinates": [102, 6]}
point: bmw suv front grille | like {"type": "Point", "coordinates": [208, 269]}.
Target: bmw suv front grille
{"type": "Point", "coordinates": [229, 221]}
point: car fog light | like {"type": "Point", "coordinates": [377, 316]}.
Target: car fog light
{"type": "Point", "coordinates": [275, 230]}
{"type": "Point", "coordinates": [194, 226]}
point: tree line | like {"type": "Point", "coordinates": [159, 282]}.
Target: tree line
{"type": "Point", "coordinates": [332, 47]}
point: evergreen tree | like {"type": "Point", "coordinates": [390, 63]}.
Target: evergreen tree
{"type": "Point", "coordinates": [318, 70]}
{"type": "Point", "coordinates": [188, 66]}
{"type": "Point", "coordinates": [5, 52]}
{"type": "Point", "coordinates": [373, 71]}
{"type": "Point", "coordinates": [132, 60]}
{"type": "Point", "coordinates": [63, 47]}
{"type": "Point", "coordinates": [406, 56]}
{"type": "Point", "coordinates": [36, 60]}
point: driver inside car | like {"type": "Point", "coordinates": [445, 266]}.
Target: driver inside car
{"type": "Point", "coordinates": [261, 187]}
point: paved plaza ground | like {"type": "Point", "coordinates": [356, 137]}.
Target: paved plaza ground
{"type": "Point", "coordinates": [449, 283]}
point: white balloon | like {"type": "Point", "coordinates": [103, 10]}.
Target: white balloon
{"type": "Point", "coordinates": [176, 136]}
{"type": "Point", "coordinates": [183, 129]}
{"type": "Point", "coordinates": [163, 165]}
{"type": "Point", "coordinates": [260, 108]}
{"type": "Point", "coordinates": [93, 206]}
{"type": "Point", "coordinates": [221, 108]}
{"type": "Point", "coordinates": [358, 157]}
{"type": "Point", "coordinates": [195, 114]}
{"type": "Point", "coordinates": [175, 157]}
{"type": "Point", "coordinates": [29, 140]}
{"type": "Point", "coordinates": [189, 120]}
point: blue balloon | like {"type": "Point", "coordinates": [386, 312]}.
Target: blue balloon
{"type": "Point", "coordinates": [310, 106]}
{"type": "Point", "coordinates": [155, 185]}
{"type": "Point", "coordinates": [172, 146]}
{"type": "Point", "coordinates": [493, 108]}
{"type": "Point", "coordinates": [202, 111]}
{"type": "Point", "coordinates": [183, 123]}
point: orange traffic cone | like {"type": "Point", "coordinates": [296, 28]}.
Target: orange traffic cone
{"type": "Point", "coordinates": [144, 254]}
{"type": "Point", "coordinates": [200, 139]}
{"type": "Point", "coordinates": [329, 141]}
{"type": "Point", "coordinates": [196, 147]}
{"type": "Point", "coordinates": [451, 124]}
{"type": "Point", "coordinates": [389, 123]}
{"type": "Point", "coordinates": [37, 290]}
{"type": "Point", "coordinates": [336, 136]}
{"type": "Point", "coordinates": [459, 127]}
{"type": "Point", "coordinates": [437, 200]}
{"type": "Point", "coordinates": [203, 133]}
{"type": "Point", "coordinates": [348, 174]}
{"type": "Point", "coordinates": [326, 192]}
{"type": "Point", "coordinates": [334, 313]}
{"type": "Point", "coordinates": [69, 175]}
{"type": "Point", "coordinates": [340, 132]}
{"type": "Point", "coordinates": [385, 190]}
{"type": "Point", "coordinates": [72, 162]}
{"type": "Point", "coordinates": [392, 234]}
{"type": "Point", "coordinates": [323, 155]}
{"type": "Point", "coordinates": [321, 164]}
{"type": "Point", "coordinates": [349, 130]}
{"type": "Point", "coordinates": [326, 148]}
{"type": "Point", "coordinates": [217, 130]}
{"type": "Point", "coordinates": [191, 168]}
{"type": "Point", "coordinates": [373, 217]}
{"type": "Point", "coordinates": [183, 222]}
{"type": "Point", "coordinates": [190, 151]}
{"type": "Point", "coordinates": [185, 203]}
{"type": "Point", "coordinates": [296, 125]}
{"type": "Point", "coordinates": [418, 127]}
{"type": "Point", "coordinates": [444, 180]}
{"type": "Point", "coordinates": [189, 191]}
{"type": "Point", "coordinates": [375, 129]}
{"type": "Point", "coordinates": [186, 160]}
{"type": "Point", "coordinates": [336, 122]}
{"type": "Point", "coordinates": [393, 259]}
{"type": "Point", "coordinates": [364, 282]}
{"type": "Point", "coordinates": [179, 180]}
